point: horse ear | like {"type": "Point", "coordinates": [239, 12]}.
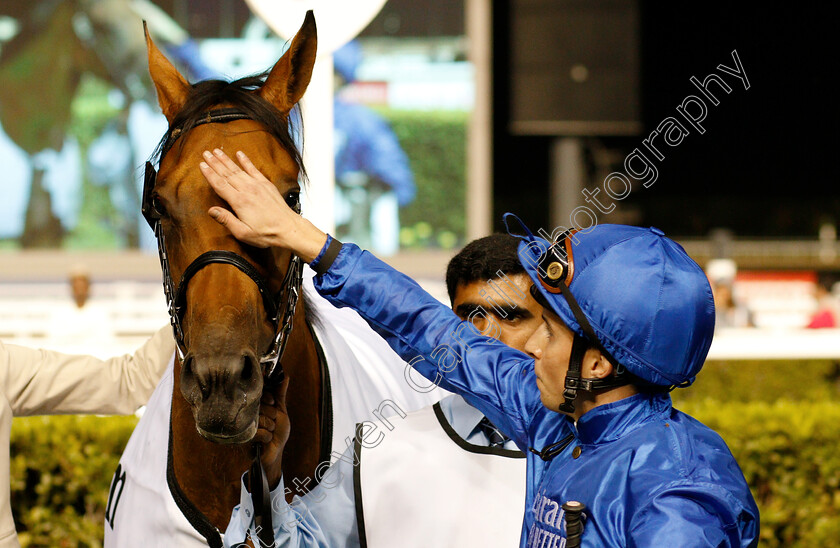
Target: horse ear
{"type": "Point", "coordinates": [288, 79]}
{"type": "Point", "coordinates": [172, 88]}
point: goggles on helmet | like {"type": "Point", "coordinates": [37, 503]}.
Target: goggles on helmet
{"type": "Point", "coordinates": [556, 269]}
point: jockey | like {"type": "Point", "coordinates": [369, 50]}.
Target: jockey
{"type": "Point", "coordinates": [627, 316]}
{"type": "Point", "coordinates": [41, 382]}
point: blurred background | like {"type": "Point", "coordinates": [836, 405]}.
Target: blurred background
{"type": "Point", "coordinates": [449, 113]}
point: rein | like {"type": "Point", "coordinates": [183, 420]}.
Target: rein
{"type": "Point", "coordinates": [176, 297]}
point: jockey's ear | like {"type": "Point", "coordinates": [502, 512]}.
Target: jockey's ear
{"type": "Point", "coordinates": [596, 365]}
{"type": "Point", "coordinates": [172, 88]}
{"type": "Point", "coordinates": [290, 76]}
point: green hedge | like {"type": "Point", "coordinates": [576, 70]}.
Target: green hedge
{"type": "Point", "coordinates": [61, 470]}
{"type": "Point", "coordinates": [768, 381]}
{"type": "Point", "coordinates": [781, 421]}
{"type": "Point", "coordinates": [435, 143]}
{"type": "Point", "coordinates": [789, 454]}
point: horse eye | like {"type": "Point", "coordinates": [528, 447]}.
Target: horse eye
{"type": "Point", "coordinates": [293, 201]}
{"type": "Point", "coordinates": [157, 206]}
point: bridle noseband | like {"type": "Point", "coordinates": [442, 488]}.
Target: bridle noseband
{"type": "Point", "coordinates": [284, 300]}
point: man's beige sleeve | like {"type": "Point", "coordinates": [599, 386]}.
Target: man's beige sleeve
{"type": "Point", "coordinates": [42, 382]}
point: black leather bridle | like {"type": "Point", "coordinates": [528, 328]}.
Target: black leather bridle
{"type": "Point", "coordinates": [283, 302]}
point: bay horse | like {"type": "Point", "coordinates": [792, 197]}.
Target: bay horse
{"type": "Point", "coordinates": [231, 311]}
{"type": "Point", "coordinates": [234, 313]}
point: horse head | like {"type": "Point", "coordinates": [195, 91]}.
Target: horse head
{"type": "Point", "coordinates": [222, 307]}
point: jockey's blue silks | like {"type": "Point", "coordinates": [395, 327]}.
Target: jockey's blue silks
{"type": "Point", "coordinates": [648, 474]}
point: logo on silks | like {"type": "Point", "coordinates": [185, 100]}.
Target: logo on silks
{"type": "Point", "coordinates": [548, 530]}
{"type": "Point", "coordinates": [549, 527]}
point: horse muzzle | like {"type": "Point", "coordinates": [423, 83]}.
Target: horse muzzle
{"type": "Point", "coordinates": [220, 423]}
{"type": "Point", "coordinates": [223, 396]}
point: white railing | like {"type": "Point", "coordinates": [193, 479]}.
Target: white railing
{"type": "Point", "coordinates": [117, 319]}
{"type": "Point", "coordinates": [775, 344]}
{"type": "Point", "coordinates": [135, 310]}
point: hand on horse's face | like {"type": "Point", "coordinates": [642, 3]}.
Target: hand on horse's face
{"type": "Point", "coordinates": [261, 217]}
{"type": "Point", "coordinates": [273, 431]}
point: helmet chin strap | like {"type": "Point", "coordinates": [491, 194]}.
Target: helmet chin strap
{"type": "Point", "coordinates": [580, 345]}
{"type": "Point", "coordinates": [574, 382]}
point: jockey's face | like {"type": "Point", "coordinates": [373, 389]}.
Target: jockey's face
{"type": "Point", "coordinates": [510, 317]}
{"type": "Point", "coordinates": [551, 348]}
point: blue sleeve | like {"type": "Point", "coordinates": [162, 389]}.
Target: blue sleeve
{"type": "Point", "coordinates": [494, 378]}
{"type": "Point", "coordinates": [324, 517]}
{"type": "Point", "coordinates": [693, 517]}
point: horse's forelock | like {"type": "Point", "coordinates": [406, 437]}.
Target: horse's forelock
{"type": "Point", "coordinates": [208, 94]}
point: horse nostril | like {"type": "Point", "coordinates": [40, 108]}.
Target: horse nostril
{"type": "Point", "coordinates": [187, 366]}
{"type": "Point", "coordinates": [248, 368]}
{"type": "Point", "coordinates": [191, 380]}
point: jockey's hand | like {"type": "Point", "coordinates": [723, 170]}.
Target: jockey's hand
{"type": "Point", "coordinates": [260, 215]}
{"type": "Point", "coordinates": [273, 431]}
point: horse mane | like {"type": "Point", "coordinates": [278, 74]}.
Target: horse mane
{"type": "Point", "coordinates": [207, 94]}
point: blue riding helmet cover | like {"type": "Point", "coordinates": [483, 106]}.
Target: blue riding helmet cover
{"type": "Point", "coordinates": [649, 303]}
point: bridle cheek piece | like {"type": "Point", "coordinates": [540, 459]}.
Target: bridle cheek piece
{"type": "Point", "coordinates": [284, 301]}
